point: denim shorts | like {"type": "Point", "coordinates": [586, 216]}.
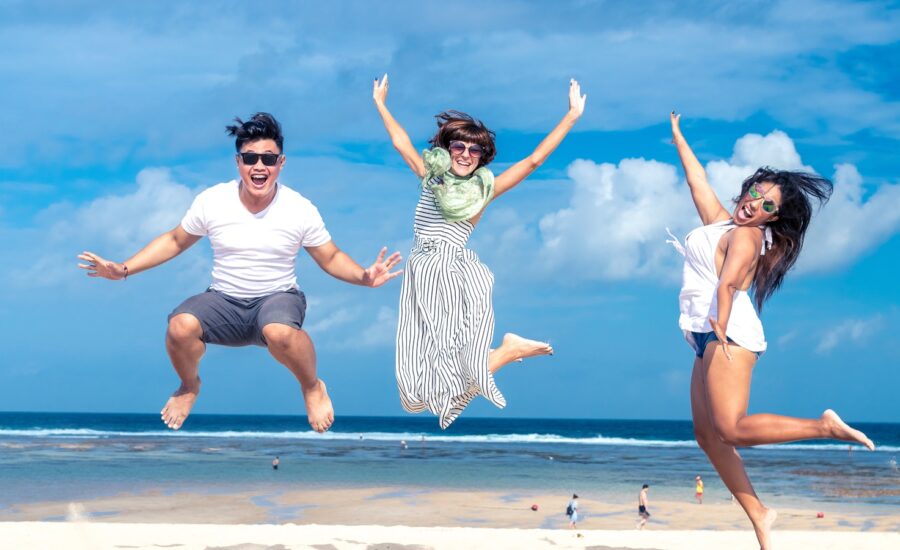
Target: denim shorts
{"type": "Point", "coordinates": [702, 339]}
{"type": "Point", "coordinates": [230, 321]}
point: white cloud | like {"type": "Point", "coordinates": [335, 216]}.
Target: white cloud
{"type": "Point", "coordinates": [113, 226]}
{"type": "Point", "coordinates": [851, 224]}
{"type": "Point", "coordinates": [614, 226]}
{"type": "Point", "coordinates": [383, 331]}
{"type": "Point", "coordinates": [850, 331]}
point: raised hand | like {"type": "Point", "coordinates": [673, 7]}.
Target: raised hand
{"type": "Point", "coordinates": [576, 100]}
{"type": "Point", "coordinates": [99, 267]}
{"type": "Point", "coordinates": [380, 272]}
{"type": "Point", "coordinates": [675, 118]}
{"type": "Point", "coordinates": [380, 90]}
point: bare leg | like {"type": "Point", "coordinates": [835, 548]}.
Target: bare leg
{"type": "Point", "coordinates": [185, 350]}
{"type": "Point", "coordinates": [724, 457]}
{"type": "Point", "coordinates": [293, 348]}
{"type": "Point", "coordinates": [515, 348]}
{"type": "Point", "coordinates": [736, 428]}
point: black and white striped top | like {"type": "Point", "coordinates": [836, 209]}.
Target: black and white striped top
{"type": "Point", "coordinates": [430, 224]}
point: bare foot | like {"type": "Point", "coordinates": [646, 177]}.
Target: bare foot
{"type": "Point", "coordinates": [764, 529]}
{"type": "Point", "coordinates": [840, 430]}
{"type": "Point", "coordinates": [522, 348]}
{"type": "Point", "coordinates": [179, 406]}
{"type": "Point", "coordinates": [318, 407]}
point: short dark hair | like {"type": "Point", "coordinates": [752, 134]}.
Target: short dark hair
{"type": "Point", "coordinates": [645, 486]}
{"type": "Point", "coordinates": [458, 126]}
{"type": "Point", "coordinates": [260, 126]}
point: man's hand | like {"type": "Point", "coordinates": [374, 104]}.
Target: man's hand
{"type": "Point", "coordinates": [380, 272]}
{"type": "Point", "coordinates": [99, 267]}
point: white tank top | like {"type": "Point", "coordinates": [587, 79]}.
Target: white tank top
{"type": "Point", "coordinates": [698, 301]}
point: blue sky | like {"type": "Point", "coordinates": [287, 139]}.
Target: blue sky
{"type": "Point", "coordinates": [114, 119]}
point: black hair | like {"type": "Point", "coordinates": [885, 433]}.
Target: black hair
{"type": "Point", "coordinates": [645, 486]}
{"type": "Point", "coordinates": [260, 126]}
{"type": "Point", "coordinates": [458, 126]}
{"type": "Point", "coordinates": [788, 226]}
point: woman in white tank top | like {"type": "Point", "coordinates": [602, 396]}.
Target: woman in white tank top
{"type": "Point", "coordinates": [750, 248]}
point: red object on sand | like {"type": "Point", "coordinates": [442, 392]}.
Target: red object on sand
{"type": "Point", "coordinates": [820, 515]}
{"type": "Point", "coordinates": [534, 507]}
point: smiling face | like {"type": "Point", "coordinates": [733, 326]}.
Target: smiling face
{"type": "Point", "coordinates": [751, 211]}
{"type": "Point", "coordinates": [258, 180]}
{"type": "Point", "coordinates": [462, 163]}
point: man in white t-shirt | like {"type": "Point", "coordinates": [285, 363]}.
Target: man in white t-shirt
{"type": "Point", "coordinates": [256, 227]}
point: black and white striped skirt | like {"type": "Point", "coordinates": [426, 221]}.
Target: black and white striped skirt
{"type": "Point", "coordinates": [445, 331]}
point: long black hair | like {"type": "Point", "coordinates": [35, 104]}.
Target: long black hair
{"type": "Point", "coordinates": [789, 225]}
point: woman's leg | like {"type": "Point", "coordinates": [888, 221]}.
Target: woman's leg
{"type": "Point", "coordinates": [516, 348]}
{"type": "Point", "coordinates": [726, 379]}
{"type": "Point", "coordinates": [724, 457]}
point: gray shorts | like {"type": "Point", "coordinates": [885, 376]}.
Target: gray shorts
{"type": "Point", "coordinates": [230, 321]}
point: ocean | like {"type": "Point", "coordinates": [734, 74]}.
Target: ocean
{"type": "Point", "coordinates": [67, 456]}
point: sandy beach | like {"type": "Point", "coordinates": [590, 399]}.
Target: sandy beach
{"type": "Point", "coordinates": [416, 518]}
{"type": "Point", "coordinates": [98, 536]}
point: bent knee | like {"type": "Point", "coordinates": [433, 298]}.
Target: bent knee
{"type": "Point", "coordinates": [706, 437]}
{"type": "Point", "coordinates": [279, 335]}
{"type": "Point", "coordinates": [728, 434]}
{"type": "Point", "coordinates": [184, 326]}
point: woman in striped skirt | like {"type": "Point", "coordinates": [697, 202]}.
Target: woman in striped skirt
{"type": "Point", "coordinates": [446, 324]}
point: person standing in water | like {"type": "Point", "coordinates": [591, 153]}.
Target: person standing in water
{"type": "Point", "coordinates": [749, 249]}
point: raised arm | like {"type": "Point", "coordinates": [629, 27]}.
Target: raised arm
{"type": "Point", "coordinates": [339, 265]}
{"type": "Point", "coordinates": [740, 259]}
{"type": "Point", "coordinates": [160, 250]}
{"type": "Point", "coordinates": [522, 169]}
{"type": "Point", "coordinates": [705, 199]}
{"type": "Point", "coordinates": [399, 137]}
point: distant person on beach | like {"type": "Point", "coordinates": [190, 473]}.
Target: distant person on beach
{"type": "Point", "coordinates": [698, 490]}
{"type": "Point", "coordinates": [749, 249]}
{"type": "Point", "coordinates": [446, 317]}
{"type": "Point", "coordinates": [256, 226]}
{"type": "Point", "coordinates": [572, 511]}
{"type": "Point", "coordinates": [643, 504]}
{"type": "Point", "coordinates": [275, 463]}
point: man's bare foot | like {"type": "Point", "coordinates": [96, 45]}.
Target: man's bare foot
{"type": "Point", "coordinates": [179, 406]}
{"type": "Point", "coordinates": [318, 407]}
{"type": "Point", "coordinates": [764, 529]}
{"type": "Point", "coordinates": [522, 348]}
{"type": "Point", "coordinates": [840, 430]}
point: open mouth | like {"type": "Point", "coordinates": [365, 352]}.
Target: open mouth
{"type": "Point", "coordinates": [259, 179]}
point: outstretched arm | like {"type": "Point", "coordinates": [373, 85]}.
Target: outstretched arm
{"type": "Point", "coordinates": [705, 199]}
{"type": "Point", "coordinates": [740, 259]}
{"type": "Point", "coordinates": [339, 265]}
{"type": "Point", "coordinates": [522, 169]}
{"type": "Point", "coordinates": [160, 250]}
{"type": "Point", "coordinates": [399, 137]}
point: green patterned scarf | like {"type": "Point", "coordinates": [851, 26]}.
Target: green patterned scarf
{"type": "Point", "coordinates": [457, 198]}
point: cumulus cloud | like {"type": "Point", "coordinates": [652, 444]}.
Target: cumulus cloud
{"type": "Point", "coordinates": [853, 223]}
{"type": "Point", "coordinates": [853, 331]}
{"type": "Point", "coordinates": [113, 226]}
{"type": "Point", "coordinates": [614, 227]}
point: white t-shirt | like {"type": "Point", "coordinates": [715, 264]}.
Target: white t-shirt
{"type": "Point", "coordinates": [254, 254]}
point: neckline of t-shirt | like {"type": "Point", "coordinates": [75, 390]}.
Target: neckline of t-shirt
{"type": "Point", "coordinates": [261, 213]}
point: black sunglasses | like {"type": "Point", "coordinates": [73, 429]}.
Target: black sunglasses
{"type": "Point", "coordinates": [250, 159]}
